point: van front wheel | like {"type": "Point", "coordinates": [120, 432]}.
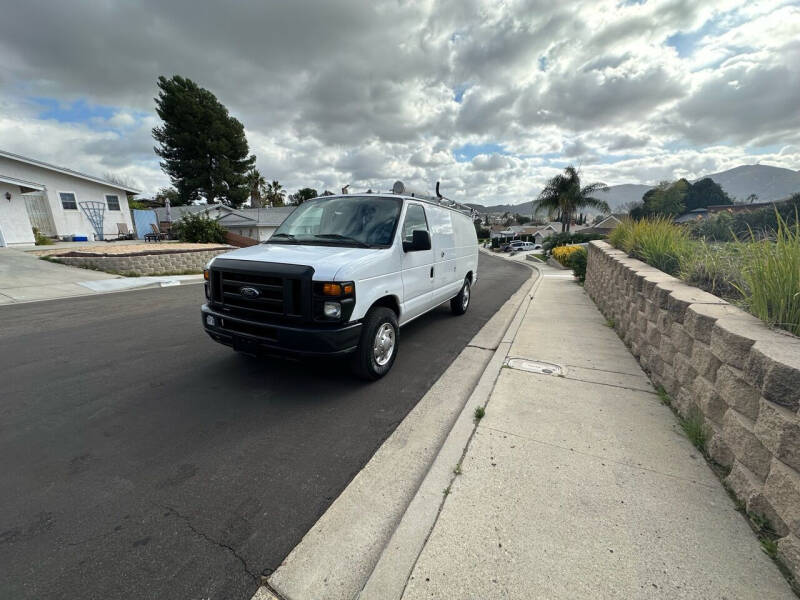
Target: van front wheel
{"type": "Point", "coordinates": [377, 347]}
{"type": "Point", "coordinates": [460, 303]}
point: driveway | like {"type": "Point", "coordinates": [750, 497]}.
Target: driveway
{"type": "Point", "coordinates": [142, 460]}
{"type": "Point", "coordinates": [24, 277]}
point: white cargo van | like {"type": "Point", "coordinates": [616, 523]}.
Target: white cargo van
{"type": "Point", "coordinates": [341, 275]}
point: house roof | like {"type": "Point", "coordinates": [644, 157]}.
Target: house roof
{"type": "Point", "coordinates": [231, 217]}
{"type": "Point", "coordinates": [178, 212]}
{"type": "Point", "coordinates": [65, 171]}
{"type": "Point", "coordinates": [257, 217]}
{"type": "Point", "coordinates": [610, 221]}
{"type": "Point", "coordinates": [26, 186]}
{"type": "Point", "coordinates": [693, 215]}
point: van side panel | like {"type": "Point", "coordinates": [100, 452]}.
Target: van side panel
{"type": "Point", "coordinates": [466, 247]}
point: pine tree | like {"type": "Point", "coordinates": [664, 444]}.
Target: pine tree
{"type": "Point", "coordinates": [203, 149]}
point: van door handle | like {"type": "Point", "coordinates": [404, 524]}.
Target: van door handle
{"type": "Point", "coordinates": [431, 271]}
{"type": "Point", "coordinates": [442, 253]}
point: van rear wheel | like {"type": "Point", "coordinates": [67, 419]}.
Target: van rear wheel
{"type": "Point", "coordinates": [460, 303]}
{"type": "Point", "coordinates": [377, 346]}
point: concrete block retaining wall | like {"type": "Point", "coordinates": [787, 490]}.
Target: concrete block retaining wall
{"type": "Point", "coordinates": [716, 360]}
{"type": "Point", "coordinates": [146, 264]}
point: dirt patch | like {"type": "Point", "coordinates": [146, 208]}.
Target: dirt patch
{"type": "Point", "coordinates": [132, 250]}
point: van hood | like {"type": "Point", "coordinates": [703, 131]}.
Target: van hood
{"type": "Point", "coordinates": [326, 260]}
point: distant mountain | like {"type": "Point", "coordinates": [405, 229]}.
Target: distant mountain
{"type": "Point", "coordinates": [620, 195]}
{"type": "Point", "coordinates": [768, 183]}
{"type": "Point", "coordinates": [524, 208]}
{"type": "Point", "coordinates": [617, 196]}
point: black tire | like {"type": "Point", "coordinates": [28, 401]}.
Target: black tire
{"type": "Point", "coordinates": [460, 303]}
{"type": "Point", "coordinates": [364, 362]}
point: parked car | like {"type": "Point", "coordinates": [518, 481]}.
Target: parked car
{"type": "Point", "coordinates": [341, 275]}
{"type": "Point", "coordinates": [520, 246]}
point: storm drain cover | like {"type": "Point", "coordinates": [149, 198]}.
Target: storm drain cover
{"type": "Point", "coordinates": [534, 366]}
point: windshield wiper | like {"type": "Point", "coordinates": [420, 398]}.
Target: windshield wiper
{"type": "Point", "coordinates": [287, 236]}
{"type": "Point", "coordinates": [343, 238]}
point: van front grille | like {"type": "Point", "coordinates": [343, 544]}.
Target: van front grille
{"type": "Point", "coordinates": [262, 292]}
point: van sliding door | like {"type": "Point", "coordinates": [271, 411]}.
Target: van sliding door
{"type": "Point", "coordinates": [447, 280]}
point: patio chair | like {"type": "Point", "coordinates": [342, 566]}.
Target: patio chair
{"type": "Point", "coordinates": [123, 233]}
{"type": "Point", "coordinates": [155, 235]}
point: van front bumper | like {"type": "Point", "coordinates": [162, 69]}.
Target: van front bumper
{"type": "Point", "coordinates": [254, 337]}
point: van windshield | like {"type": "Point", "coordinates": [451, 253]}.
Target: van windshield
{"type": "Point", "coordinates": [364, 221]}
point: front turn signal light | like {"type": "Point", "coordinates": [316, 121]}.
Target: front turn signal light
{"type": "Point", "coordinates": [205, 274]}
{"type": "Point", "coordinates": [331, 289]}
{"type": "Point", "coordinates": [335, 290]}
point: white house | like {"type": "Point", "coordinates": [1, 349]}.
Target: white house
{"type": "Point", "coordinates": [54, 200]}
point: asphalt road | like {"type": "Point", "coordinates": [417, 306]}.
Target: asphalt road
{"type": "Point", "coordinates": [140, 459]}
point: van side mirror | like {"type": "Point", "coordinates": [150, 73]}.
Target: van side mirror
{"type": "Point", "coordinates": [420, 240]}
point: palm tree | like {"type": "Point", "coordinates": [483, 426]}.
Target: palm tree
{"type": "Point", "coordinates": [256, 183]}
{"type": "Point", "coordinates": [275, 193]}
{"type": "Point", "coordinates": [564, 195]}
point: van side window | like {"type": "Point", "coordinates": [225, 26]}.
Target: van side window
{"type": "Point", "coordinates": [415, 220]}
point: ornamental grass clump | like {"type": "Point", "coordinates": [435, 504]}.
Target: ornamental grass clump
{"type": "Point", "coordinates": [715, 268]}
{"type": "Point", "coordinates": [771, 277]}
{"type": "Point", "coordinates": [621, 237]}
{"type": "Point", "coordinates": [657, 241]}
{"type": "Point", "coordinates": [661, 244]}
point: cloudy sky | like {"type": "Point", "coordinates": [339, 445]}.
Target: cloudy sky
{"type": "Point", "coordinates": [490, 97]}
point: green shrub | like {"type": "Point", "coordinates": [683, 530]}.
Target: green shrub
{"type": "Point", "coordinates": [718, 228]}
{"type": "Point", "coordinates": [199, 229]}
{"type": "Point", "coordinates": [40, 238]}
{"type": "Point", "coordinates": [771, 274]}
{"type": "Point", "coordinates": [568, 238]}
{"type": "Point", "coordinates": [760, 223]}
{"type": "Point", "coordinates": [577, 262]}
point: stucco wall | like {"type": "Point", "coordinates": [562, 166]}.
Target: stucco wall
{"type": "Point", "coordinates": [145, 264]}
{"type": "Point", "coordinates": [70, 221]}
{"type": "Point", "coordinates": [14, 222]}
{"type": "Point", "coordinates": [724, 364]}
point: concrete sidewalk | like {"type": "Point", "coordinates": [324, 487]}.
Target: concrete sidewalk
{"type": "Point", "coordinates": [583, 485]}
{"type": "Point", "coordinates": [26, 278]}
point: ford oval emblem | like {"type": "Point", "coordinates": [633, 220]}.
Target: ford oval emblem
{"type": "Point", "coordinates": [249, 292]}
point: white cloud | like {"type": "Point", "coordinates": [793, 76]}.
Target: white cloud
{"type": "Point", "coordinates": [365, 93]}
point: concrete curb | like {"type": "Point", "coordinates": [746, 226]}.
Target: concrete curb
{"type": "Point", "coordinates": [337, 556]}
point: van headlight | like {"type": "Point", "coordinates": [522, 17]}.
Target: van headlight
{"type": "Point", "coordinates": [334, 300]}
{"type": "Point", "coordinates": [332, 310]}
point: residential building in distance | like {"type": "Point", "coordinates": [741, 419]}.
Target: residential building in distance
{"type": "Point", "coordinates": [255, 223]}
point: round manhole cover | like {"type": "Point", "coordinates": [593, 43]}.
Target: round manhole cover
{"type": "Point", "coordinates": [534, 366]}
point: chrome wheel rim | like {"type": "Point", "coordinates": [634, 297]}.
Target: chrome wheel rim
{"type": "Point", "coordinates": [383, 346]}
{"type": "Point", "coordinates": [465, 296]}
